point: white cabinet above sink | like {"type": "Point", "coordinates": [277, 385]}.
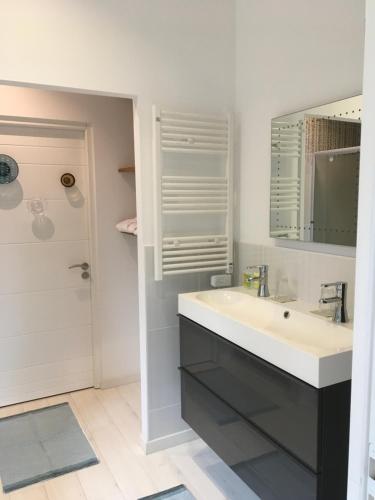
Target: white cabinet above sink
{"type": "Point", "coordinates": [313, 349]}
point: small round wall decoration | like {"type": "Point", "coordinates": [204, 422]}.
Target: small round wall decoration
{"type": "Point", "coordinates": [68, 180]}
{"type": "Point", "coordinates": [8, 169]}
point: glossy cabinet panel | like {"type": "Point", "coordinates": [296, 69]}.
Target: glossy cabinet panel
{"type": "Point", "coordinates": [268, 470]}
{"type": "Point", "coordinates": [280, 405]}
{"type": "Point", "coordinates": [286, 439]}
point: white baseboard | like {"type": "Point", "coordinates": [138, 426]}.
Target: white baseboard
{"type": "Point", "coordinates": [109, 384]}
{"type": "Point", "coordinates": [169, 441]}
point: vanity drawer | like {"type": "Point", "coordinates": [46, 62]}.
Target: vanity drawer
{"type": "Point", "coordinates": [266, 468]}
{"type": "Point", "coordinates": [281, 406]}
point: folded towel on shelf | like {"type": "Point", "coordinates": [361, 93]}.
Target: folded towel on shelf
{"type": "Point", "coordinates": [128, 226]}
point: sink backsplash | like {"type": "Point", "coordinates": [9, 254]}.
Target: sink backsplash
{"type": "Point", "coordinates": [301, 271]}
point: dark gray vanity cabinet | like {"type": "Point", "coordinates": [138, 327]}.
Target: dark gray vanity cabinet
{"type": "Point", "coordinates": [286, 439]}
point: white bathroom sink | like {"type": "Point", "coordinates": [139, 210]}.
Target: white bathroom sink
{"type": "Point", "coordinates": [312, 348]}
{"type": "Point", "coordinates": [222, 297]}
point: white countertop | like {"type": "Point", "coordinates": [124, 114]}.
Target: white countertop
{"type": "Point", "coordinates": [312, 348]}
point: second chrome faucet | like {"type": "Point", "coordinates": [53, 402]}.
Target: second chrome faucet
{"type": "Point", "coordinates": [339, 315]}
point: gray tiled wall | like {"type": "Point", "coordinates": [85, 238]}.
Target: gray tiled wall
{"type": "Point", "coordinates": [163, 347]}
{"type": "Point", "coordinates": [303, 271]}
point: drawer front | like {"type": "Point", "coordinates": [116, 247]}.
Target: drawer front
{"type": "Point", "coordinates": [280, 405]}
{"type": "Point", "coordinates": [267, 469]}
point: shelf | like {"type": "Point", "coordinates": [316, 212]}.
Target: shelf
{"type": "Point", "coordinates": [127, 168]}
{"type": "Point", "coordinates": [128, 233]}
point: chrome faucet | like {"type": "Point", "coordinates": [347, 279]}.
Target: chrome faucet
{"type": "Point", "coordinates": [340, 315]}
{"type": "Point", "coordinates": [263, 290]}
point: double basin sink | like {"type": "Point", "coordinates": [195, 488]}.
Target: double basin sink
{"type": "Point", "coordinates": [313, 349]}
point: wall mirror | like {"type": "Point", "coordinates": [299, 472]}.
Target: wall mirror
{"type": "Point", "coordinates": [315, 172]}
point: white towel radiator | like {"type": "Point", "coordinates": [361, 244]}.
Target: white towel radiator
{"type": "Point", "coordinates": [193, 192]}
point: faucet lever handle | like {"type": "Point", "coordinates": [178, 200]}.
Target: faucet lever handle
{"type": "Point", "coordinates": [337, 284]}
{"type": "Point", "coordinates": [262, 268]}
{"type": "Point", "coordinates": [326, 285]}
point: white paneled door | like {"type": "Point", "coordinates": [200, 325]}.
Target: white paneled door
{"type": "Point", "coordinates": [45, 307]}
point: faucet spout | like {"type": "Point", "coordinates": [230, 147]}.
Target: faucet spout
{"type": "Point", "coordinates": [329, 300]}
{"type": "Point", "coordinates": [340, 314]}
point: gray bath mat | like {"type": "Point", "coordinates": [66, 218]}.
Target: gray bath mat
{"type": "Point", "coordinates": [41, 444]}
{"type": "Point", "coordinates": [177, 493]}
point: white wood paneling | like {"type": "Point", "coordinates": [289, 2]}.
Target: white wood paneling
{"type": "Point", "coordinates": [63, 222]}
{"type": "Point", "coordinates": [24, 313]}
{"type": "Point", "coordinates": [41, 136]}
{"type": "Point", "coordinates": [36, 266]}
{"type": "Point", "coordinates": [39, 373]}
{"type": "Point", "coordinates": [30, 177]}
{"type": "Point", "coordinates": [47, 387]}
{"type": "Point", "coordinates": [46, 155]}
{"type": "Point", "coordinates": [44, 348]}
{"type": "Point", "coordinates": [45, 333]}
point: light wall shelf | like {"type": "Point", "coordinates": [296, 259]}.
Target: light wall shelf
{"type": "Point", "coordinates": [127, 168]}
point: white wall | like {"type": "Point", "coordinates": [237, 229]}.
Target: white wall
{"type": "Point", "coordinates": [111, 124]}
{"type": "Point", "coordinates": [289, 55]}
{"type": "Point", "coordinates": [169, 52]}
{"type": "Point", "coordinates": [363, 350]}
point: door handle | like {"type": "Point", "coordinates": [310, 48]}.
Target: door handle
{"type": "Point", "coordinates": [84, 266]}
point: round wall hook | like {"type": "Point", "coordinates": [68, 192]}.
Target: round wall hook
{"type": "Point", "coordinates": [68, 180]}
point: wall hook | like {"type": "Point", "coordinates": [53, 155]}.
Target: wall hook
{"type": "Point", "coordinates": [68, 180]}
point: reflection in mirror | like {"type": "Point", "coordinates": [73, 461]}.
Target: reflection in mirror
{"type": "Point", "coordinates": [315, 173]}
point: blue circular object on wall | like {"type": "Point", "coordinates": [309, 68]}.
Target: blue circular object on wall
{"type": "Point", "coordinates": [8, 169]}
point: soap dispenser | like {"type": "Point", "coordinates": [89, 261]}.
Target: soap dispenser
{"type": "Point", "coordinates": [251, 278]}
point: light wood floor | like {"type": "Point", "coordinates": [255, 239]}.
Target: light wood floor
{"type": "Point", "coordinates": [111, 420]}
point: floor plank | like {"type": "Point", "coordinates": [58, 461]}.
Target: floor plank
{"type": "Point", "coordinates": [128, 473]}
{"type": "Point", "coordinates": [65, 487]}
{"type": "Point", "coordinates": [7, 411]}
{"type": "Point", "coordinates": [195, 479]}
{"type": "Point", "coordinates": [110, 419]}
{"type": "Point", "coordinates": [34, 492]}
{"type": "Point", "coordinates": [158, 466]}
{"type": "Point", "coordinates": [98, 483]}
{"type": "Point", "coordinates": [132, 395]}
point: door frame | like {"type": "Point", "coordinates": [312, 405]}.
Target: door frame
{"type": "Point", "coordinates": [90, 180]}
{"type": "Point", "coordinates": [142, 310]}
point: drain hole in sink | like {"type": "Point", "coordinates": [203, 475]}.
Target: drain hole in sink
{"type": "Point", "coordinates": [286, 314]}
